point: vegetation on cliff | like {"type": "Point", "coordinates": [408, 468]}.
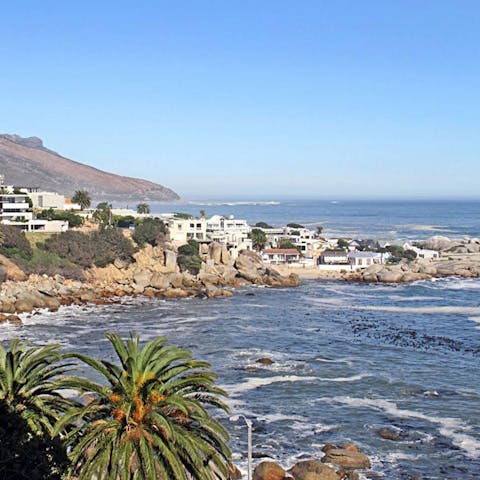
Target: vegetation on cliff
{"type": "Point", "coordinates": [99, 248]}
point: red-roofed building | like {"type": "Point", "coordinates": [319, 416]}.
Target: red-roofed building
{"type": "Point", "coordinates": [279, 256]}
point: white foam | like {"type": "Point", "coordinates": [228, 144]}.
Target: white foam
{"type": "Point", "coordinates": [339, 360]}
{"type": "Point", "coordinates": [452, 428]}
{"type": "Point", "coordinates": [254, 383]}
{"type": "Point", "coordinates": [353, 378]}
{"type": "Point", "coordinates": [440, 309]}
{"type": "Point", "coordinates": [280, 417]}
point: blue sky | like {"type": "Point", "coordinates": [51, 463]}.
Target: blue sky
{"type": "Point", "coordinates": [253, 98]}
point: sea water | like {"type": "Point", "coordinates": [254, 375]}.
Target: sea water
{"type": "Point", "coordinates": [349, 358]}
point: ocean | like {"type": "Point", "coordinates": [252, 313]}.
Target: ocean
{"type": "Point", "coordinates": [349, 358]}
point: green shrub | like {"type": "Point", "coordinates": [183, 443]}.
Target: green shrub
{"type": "Point", "coordinates": [148, 231]}
{"type": "Point", "coordinates": [98, 248]}
{"type": "Point", "coordinates": [51, 214]}
{"type": "Point", "coordinates": [262, 225]}
{"type": "Point", "coordinates": [295, 225]}
{"type": "Point", "coordinates": [189, 258]}
{"type": "Point", "coordinates": [13, 242]}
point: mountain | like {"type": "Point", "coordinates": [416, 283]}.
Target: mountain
{"type": "Point", "coordinates": [27, 162]}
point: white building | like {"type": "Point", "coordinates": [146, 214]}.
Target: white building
{"type": "Point", "coordinates": [333, 257]}
{"type": "Point", "coordinates": [231, 232]}
{"type": "Point", "coordinates": [14, 208]}
{"type": "Point", "coordinates": [280, 256]}
{"type": "Point", "coordinates": [422, 252]}
{"type": "Point", "coordinates": [181, 230]}
{"type": "Point", "coordinates": [46, 200]}
{"type": "Point", "coordinates": [365, 259]}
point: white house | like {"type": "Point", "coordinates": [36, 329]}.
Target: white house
{"type": "Point", "coordinates": [422, 252]}
{"type": "Point", "coordinates": [14, 208]}
{"type": "Point", "coordinates": [46, 200]}
{"type": "Point", "coordinates": [280, 256]}
{"type": "Point", "coordinates": [365, 259]}
{"type": "Point", "coordinates": [333, 257]}
{"type": "Point", "coordinates": [181, 230]}
{"type": "Point", "coordinates": [230, 231]}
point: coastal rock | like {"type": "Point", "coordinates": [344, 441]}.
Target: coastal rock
{"type": "Point", "coordinates": [234, 473]}
{"type": "Point", "coordinates": [312, 470]}
{"type": "Point", "coordinates": [225, 256]}
{"type": "Point", "coordinates": [176, 293]}
{"type": "Point", "coordinates": [412, 277]}
{"type": "Point", "coordinates": [13, 272]}
{"type": "Point", "coordinates": [12, 319]}
{"type": "Point", "coordinates": [215, 253]}
{"type": "Point", "coordinates": [249, 266]}
{"type": "Point", "coordinates": [388, 434]}
{"type": "Point", "coordinates": [389, 276]}
{"type": "Point", "coordinates": [269, 471]}
{"type": "Point", "coordinates": [176, 280]}
{"type": "Point", "coordinates": [346, 458]}
{"type": "Point", "coordinates": [170, 259]}
{"type": "Point", "coordinates": [142, 278]}
{"type": "Point", "coordinates": [438, 243]}
{"type": "Point", "coordinates": [265, 361]}
{"type": "Point", "coordinates": [159, 281]}
{"type": "Point", "coordinates": [369, 277]}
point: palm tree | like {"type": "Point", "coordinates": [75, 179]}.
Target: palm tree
{"type": "Point", "coordinates": [143, 208]}
{"type": "Point", "coordinates": [82, 197]}
{"type": "Point", "coordinates": [31, 380]}
{"type": "Point", "coordinates": [150, 421]}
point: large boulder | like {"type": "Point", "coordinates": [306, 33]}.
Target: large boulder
{"type": "Point", "coordinates": [346, 458]}
{"type": "Point", "coordinates": [215, 253]}
{"type": "Point", "coordinates": [438, 243]}
{"type": "Point", "coordinates": [269, 471]}
{"type": "Point", "coordinates": [312, 470]}
{"type": "Point", "coordinates": [170, 260]}
{"type": "Point", "coordinates": [12, 271]}
{"type": "Point", "coordinates": [142, 278]}
{"type": "Point", "coordinates": [225, 256]}
{"type": "Point", "coordinates": [390, 276]}
{"type": "Point", "coordinates": [250, 267]}
{"type": "Point", "coordinates": [159, 281]}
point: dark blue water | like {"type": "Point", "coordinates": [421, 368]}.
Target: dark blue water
{"type": "Point", "coordinates": [354, 218]}
{"type": "Point", "coordinates": [349, 359]}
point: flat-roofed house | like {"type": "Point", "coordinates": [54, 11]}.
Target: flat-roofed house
{"type": "Point", "coordinates": [280, 256]}
{"type": "Point", "coordinates": [365, 259]}
{"type": "Point", "coordinates": [333, 257]}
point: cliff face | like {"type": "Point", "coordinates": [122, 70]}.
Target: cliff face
{"type": "Point", "coordinates": [26, 162]}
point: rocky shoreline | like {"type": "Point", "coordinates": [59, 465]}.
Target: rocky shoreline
{"type": "Point", "coordinates": [153, 273]}
{"type": "Point", "coordinates": [338, 463]}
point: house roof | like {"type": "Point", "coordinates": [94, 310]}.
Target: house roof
{"type": "Point", "coordinates": [364, 255]}
{"type": "Point", "coordinates": [285, 251]}
{"type": "Point", "coordinates": [334, 253]}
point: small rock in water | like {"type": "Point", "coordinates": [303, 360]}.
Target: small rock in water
{"type": "Point", "coordinates": [346, 458]}
{"type": "Point", "coordinates": [265, 361]}
{"type": "Point", "coordinates": [388, 434]}
{"type": "Point", "coordinates": [312, 470]}
{"type": "Point", "coordinates": [269, 471]}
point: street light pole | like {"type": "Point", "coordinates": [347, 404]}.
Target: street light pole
{"type": "Point", "coordinates": [249, 424]}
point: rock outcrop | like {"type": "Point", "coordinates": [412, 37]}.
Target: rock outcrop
{"type": "Point", "coordinates": [154, 272]}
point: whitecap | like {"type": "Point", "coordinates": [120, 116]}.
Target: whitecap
{"type": "Point", "coordinates": [254, 383]}
{"type": "Point", "coordinates": [440, 309]}
{"type": "Point", "coordinates": [452, 428]}
{"type": "Point", "coordinates": [353, 378]}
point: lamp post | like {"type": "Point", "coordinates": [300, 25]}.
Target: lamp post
{"type": "Point", "coordinates": [249, 424]}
